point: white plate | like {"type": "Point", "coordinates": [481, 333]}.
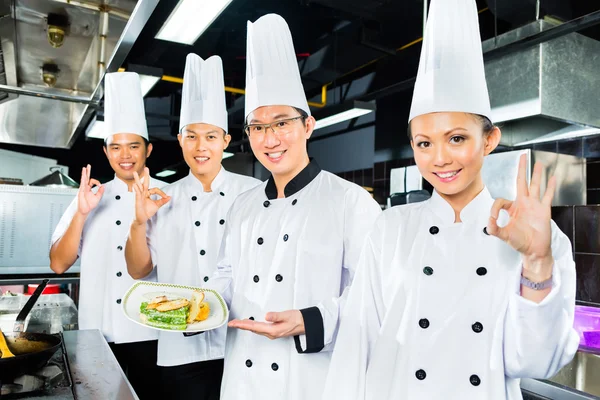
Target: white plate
{"type": "Point", "coordinates": [146, 291]}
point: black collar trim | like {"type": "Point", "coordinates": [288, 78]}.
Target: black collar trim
{"type": "Point", "coordinates": [298, 183]}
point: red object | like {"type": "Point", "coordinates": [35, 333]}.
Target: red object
{"type": "Point", "coordinates": [50, 289]}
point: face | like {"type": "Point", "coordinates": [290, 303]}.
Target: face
{"type": "Point", "coordinates": [126, 153]}
{"type": "Point", "coordinates": [282, 153]}
{"type": "Point", "coordinates": [202, 146]}
{"type": "Point", "coordinates": [449, 149]}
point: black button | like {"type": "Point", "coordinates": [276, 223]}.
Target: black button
{"type": "Point", "coordinates": [206, 279]}
{"type": "Point", "coordinates": [294, 202]}
{"type": "Point", "coordinates": [428, 271]}
{"type": "Point", "coordinates": [420, 374]}
{"type": "Point", "coordinates": [118, 222]}
{"type": "Point", "coordinates": [222, 221]}
{"type": "Point", "coordinates": [118, 301]}
{"type": "Point", "coordinates": [222, 194]}
{"type": "Point", "coordinates": [197, 223]}
{"type": "Point", "coordinates": [256, 278]}
{"type": "Point", "coordinates": [278, 278]}
{"type": "Point", "coordinates": [120, 248]}
{"type": "Point", "coordinates": [481, 271]}
{"type": "Point", "coordinates": [477, 327]}
{"type": "Point", "coordinates": [434, 230]}
{"type": "Point", "coordinates": [119, 274]}
{"type": "Point", "coordinates": [260, 241]}
{"type": "Point", "coordinates": [485, 231]}
{"type": "Point", "coordinates": [251, 318]}
{"type": "Point", "coordinates": [248, 363]}
{"type": "Point", "coordinates": [202, 252]}
{"type": "Point", "coordinates": [285, 237]}
{"type": "Point", "coordinates": [274, 366]}
{"type": "Point", "coordinates": [194, 198]}
{"type": "Point", "coordinates": [424, 323]}
{"type": "Point", "coordinates": [474, 379]}
{"type": "Point", "coordinates": [267, 203]}
{"type": "Point", "coordinates": [118, 197]}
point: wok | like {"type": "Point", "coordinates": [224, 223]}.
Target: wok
{"type": "Point", "coordinates": [32, 350]}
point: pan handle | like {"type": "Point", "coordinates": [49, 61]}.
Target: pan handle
{"type": "Point", "coordinates": [20, 321]}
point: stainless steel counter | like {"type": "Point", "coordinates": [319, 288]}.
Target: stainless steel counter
{"type": "Point", "coordinates": [95, 370]}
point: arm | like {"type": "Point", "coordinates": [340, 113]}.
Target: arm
{"type": "Point", "coordinates": [137, 250]}
{"type": "Point", "coordinates": [66, 242]}
{"type": "Point", "coordinates": [321, 322]}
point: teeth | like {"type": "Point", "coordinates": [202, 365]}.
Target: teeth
{"type": "Point", "coordinates": [201, 158]}
{"type": "Point", "coordinates": [275, 155]}
{"type": "Point", "coordinates": [446, 175]}
{"type": "Point", "coordinates": [126, 164]}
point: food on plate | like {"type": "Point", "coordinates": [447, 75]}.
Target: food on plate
{"type": "Point", "coordinates": [174, 314]}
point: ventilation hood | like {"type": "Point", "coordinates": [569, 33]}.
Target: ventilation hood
{"type": "Point", "coordinates": [56, 179]}
{"type": "Point", "coordinates": [54, 54]}
{"type": "Point", "coordinates": [545, 92]}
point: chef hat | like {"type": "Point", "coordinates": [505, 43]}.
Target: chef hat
{"type": "Point", "coordinates": [203, 94]}
{"type": "Point", "coordinates": [124, 105]}
{"type": "Point", "coordinates": [451, 75]}
{"type": "Point", "coordinates": [272, 75]}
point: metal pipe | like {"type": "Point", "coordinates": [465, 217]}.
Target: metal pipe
{"type": "Point", "coordinates": [537, 10]}
{"type": "Point", "coordinates": [45, 95]}
{"type": "Point", "coordinates": [102, 34]}
{"type": "Point", "coordinates": [424, 16]}
{"type": "Point", "coordinates": [96, 7]}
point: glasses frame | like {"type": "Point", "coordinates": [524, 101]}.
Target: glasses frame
{"type": "Point", "coordinates": [271, 125]}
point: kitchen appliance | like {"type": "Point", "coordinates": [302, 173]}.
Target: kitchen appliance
{"type": "Point", "coordinates": [56, 179]}
{"type": "Point", "coordinates": [406, 186]}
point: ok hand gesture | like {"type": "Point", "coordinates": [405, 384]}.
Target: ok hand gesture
{"type": "Point", "coordinates": [145, 206]}
{"type": "Point", "coordinates": [86, 199]}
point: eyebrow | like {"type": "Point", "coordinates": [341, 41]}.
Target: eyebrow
{"type": "Point", "coordinates": [196, 133]}
{"type": "Point", "coordinates": [445, 134]}
{"type": "Point", "coordinates": [276, 117]}
{"type": "Point", "coordinates": [124, 144]}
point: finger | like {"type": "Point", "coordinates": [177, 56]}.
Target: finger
{"type": "Point", "coordinates": [494, 230]}
{"type": "Point", "coordinates": [100, 191]}
{"type": "Point", "coordinates": [146, 178]}
{"type": "Point", "coordinates": [522, 177]}
{"type": "Point", "coordinates": [162, 202]}
{"type": "Point", "coordinates": [83, 181]}
{"type": "Point", "coordinates": [275, 317]}
{"type": "Point", "coordinates": [95, 182]}
{"type": "Point", "coordinates": [549, 195]}
{"type": "Point", "coordinates": [252, 326]}
{"type": "Point", "coordinates": [158, 192]}
{"type": "Point", "coordinates": [136, 177]}
{"type": "Point", "coordinates": [500, 204]}
{"type": "Point", "coordinates": [536, 178]}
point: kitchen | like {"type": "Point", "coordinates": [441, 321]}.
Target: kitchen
{"type": "Point", "coordinates": [356, 58]}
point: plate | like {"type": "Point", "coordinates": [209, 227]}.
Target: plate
{"type": "Point", "coordinates": [146, 291]}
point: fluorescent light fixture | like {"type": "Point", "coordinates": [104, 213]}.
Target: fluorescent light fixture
{"type": "Point", "coordinates": [147, 82]}
{"type": "Point", "coordinates": [166, 172]}
{"type": "Point", "coordinates": [95, 129]}
{"type": "Point", "coordinates": [343, 112]}
{"type": "Point", "coordinates": [190, 19]}
{"type": "Point", "coordinates": [227, 154]}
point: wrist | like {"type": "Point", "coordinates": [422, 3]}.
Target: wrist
{"type": "Point", "coordinates": [537, 269]}
{"type": "Point", "coordinates": [138, 226]}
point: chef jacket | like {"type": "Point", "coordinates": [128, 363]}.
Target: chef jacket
{"type": "Point", "coordinates": [184, 238]}
{"type": "Point", "coordinates": [297, 252]}
{"type": "Point", "coordinates": [104, 278]}
{"type": "Point", "coordinates": [435, 311]}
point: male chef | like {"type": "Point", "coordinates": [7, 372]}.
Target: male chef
{"type": "Point", "coordinates": [181, 239]}
{"type": "Point", "coordinates": [94, 228]}
{"type": "Point", "coordinates": [291, 244]}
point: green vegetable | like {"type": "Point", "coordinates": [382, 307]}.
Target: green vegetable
{"type": "Point", "coordinates": [172, 319]}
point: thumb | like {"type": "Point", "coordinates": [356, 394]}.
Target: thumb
{"type": "Point", "coordinates": [100, 191]}
{"type": "Point", "coordinates": [495, 230]}
{"type": "Point", "coordinates": [275, 317]}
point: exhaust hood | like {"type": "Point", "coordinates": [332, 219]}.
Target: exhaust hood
{"type": "Point", "coordinates": [55, 54]}
{"type": "Point", "coordinates": [546, 92]}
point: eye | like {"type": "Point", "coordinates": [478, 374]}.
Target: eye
{"type": "Point", "coordinates": [135, 147]}
{"type": "Point", "coordinates": [282, 124]}
{"type": "Point", "coordinates": [115, 148]}
{"type": "Point", "coordinates": [457, 139]}
{"type": "Point", "coordinates": [191, 137]}
{"type": "Point", "coordinates": [423, 144]}
{"type": "Point", "coordinates": [211, 137]}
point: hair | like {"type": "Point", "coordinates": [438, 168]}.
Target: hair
{"type": "Point", "coordinates": [146, 142]}
{"type": "Point", "coordinates": [486, 125]}
{"type": "Point", "coordinates": [302, 113]}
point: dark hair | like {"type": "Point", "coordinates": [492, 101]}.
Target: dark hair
{"type": "Point", "coordinates": [302, 113]}
{"type": "Point", "coordinates": [146, 142]}
{"type": "Point", "coordinates": [486, 125]}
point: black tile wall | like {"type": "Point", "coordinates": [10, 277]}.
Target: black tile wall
{"type": "Point", "coordinates": [587, 235]}
{"type": "Point", "coordinates": [591, 147]}
{"type": "Point", "coordinates": [593, 174]}
{"type": "Point", "coordinates": [593, 196]}
{"type": "Point", "coordinates": [588, 277]}
{"type": "Point", "coordinates": [550, 146]}
{"type": "Point", "coordinates": [563, 216]}
{"type": "Point", "coordinates": [571, 147]}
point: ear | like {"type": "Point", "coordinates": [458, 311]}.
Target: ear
{"type": "Point", "coordinates": [105, 152]}
{"type": "Point", "coordinates": [227, 140]}
{"type": "Point", "coordinates": [148, 150]}
{"type": "Point", "coordinates": [180, 140]}
{"type": "Point", "coordinates": [310, 123]}
{"type": "Point", "coordinates": [412, 145]}
{"type": "Point", "coordinates": [492, 140]}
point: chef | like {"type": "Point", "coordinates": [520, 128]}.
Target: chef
{"type": "Point", "coordinates": [181, 239]}
{"type": "Point", "coordinates": [94, 228]}
{"type": "Point", "coordinates": [459, 296]}
{"type": "Point", "coordinates": [291, 244]}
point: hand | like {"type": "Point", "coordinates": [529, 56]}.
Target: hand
{"type": "Point", "coordinates": [529, 229]}
{"type": "Point", "coordinates": [86, 199]}
{"type": "Point", "coordinates": [145, 206]}
{"type": "Point", "coordinates": [278, 325]}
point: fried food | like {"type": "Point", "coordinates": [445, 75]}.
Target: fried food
{"type": "Point", "coordinates": [173, 305]}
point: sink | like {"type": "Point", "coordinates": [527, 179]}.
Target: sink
{"type": "Point", "coordinates": [583, 373]}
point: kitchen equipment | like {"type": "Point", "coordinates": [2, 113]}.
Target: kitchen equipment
{"type": "Point", "coordinates": [53, 313]}
{"type": "Point", "coordinates": [6, 353]}
{"type": "Point", "coordinates": [32, 350]}
{"type": "Point", "coordinates": [406, 186]}
{"type": "Point", "coordinates": [56, 179]}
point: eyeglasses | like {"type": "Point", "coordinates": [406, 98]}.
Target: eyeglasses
{"type": "Point", "coordinates": [279, 128]}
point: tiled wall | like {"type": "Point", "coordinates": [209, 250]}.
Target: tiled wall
{"type": "Point", "coordinates": [581, 224]}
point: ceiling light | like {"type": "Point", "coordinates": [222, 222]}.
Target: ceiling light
{"type": "Point", "coordinates": [190, 19]}
{"type": "Point", "coordinates": [343, 112]}
{"type": "Point", "coordinates": [95, 129]}
{"type": "Point", "coordinates": [166, 172]}
{"type": "Point", "coordinates": [149, 76]}
{"type": "Point", "coordinates": [147, 82]}
{"type": "Point", "coordinates": [227, 154]}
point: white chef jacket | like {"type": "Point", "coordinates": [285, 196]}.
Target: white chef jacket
{"type": "Point", "coordinates": [104, 278]}
{"type": "Point", "coordinates": [297, 252]}
{"type": "Point", "coordinates": [184, 238]}
{"type": "Point", "coordinates": [435, 311]}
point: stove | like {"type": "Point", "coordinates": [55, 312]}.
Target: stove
{"type": "Point", "coordinates": [52, 381]}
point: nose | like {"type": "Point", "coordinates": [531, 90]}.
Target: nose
{"type": "Point", "coordinates": [442, 156]}
{"type": "Point", "coordinates": [125, 152]}
{"type": "Point", "coordinates": [201, 144]}
{"type": "Point", "coordinates": [271, 139]}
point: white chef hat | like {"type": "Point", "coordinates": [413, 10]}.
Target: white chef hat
{"type": "Point", "coordinates": [272, 75]}
{"type": "Point", "coordinates": [203, 94]}
{"type": "Point", "coordinates": [451, 75]}
{"type": "Point", "coordinates": [124, 105]}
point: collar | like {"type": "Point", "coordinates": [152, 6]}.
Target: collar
{"type": "Point", "coordinates": [478, 207]}
{"type": "Point", "coordinates": [119, 185]}
{"type": "Point", "coordinates": [196, 186]}
{"type": "Point", "coordinates": [297, 183]}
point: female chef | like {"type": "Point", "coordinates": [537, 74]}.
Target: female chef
{"type": "Point", "coordinates": [459, 296]}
